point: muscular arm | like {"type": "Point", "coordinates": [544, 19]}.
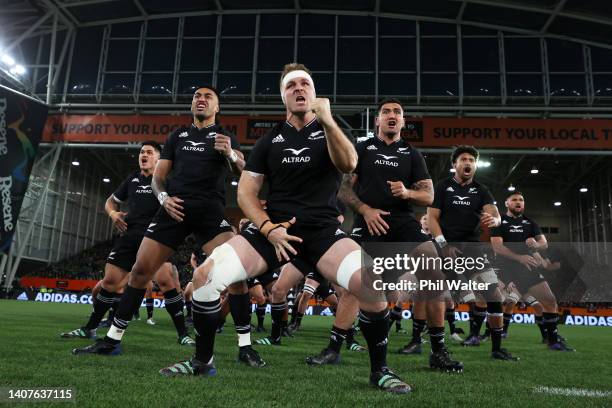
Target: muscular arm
{"type": "Point", "coordinates": [248, 197]}
{"type": "Point", "coordinates": [421, 193]}
{"type": "Point", "coordinates": [341, 150]}
{"type": "Point", "coordinates": [493, 213]}
{"type": "Point", "coordinates": [111, 206]}
{"type": "Point", "coordinates": [542, 243]}
{"type": "Point", "coordinates": [160, 175]}
{"type": "Point", "coordinates": [237, 166]}
{"type": "Point", "coordinates": [347, 194]}
{"type": "Point", "coordinates": [498, 246]}
{"type": "Point", "coordinates": [433, 221]}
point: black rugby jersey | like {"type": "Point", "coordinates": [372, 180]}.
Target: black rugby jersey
{"type": "Point", "coordinates": [142, 203]}
{"type": "Point", "coordinates": [303, 182]}
{"type": "Point", "coordinates": [379, 162]}
{"type": "Point", "coordinates": [460, 208]}
{"type": "Point", "coordinates": [198, 170]}
{"type": "Point", "coordinates": [516, 230]}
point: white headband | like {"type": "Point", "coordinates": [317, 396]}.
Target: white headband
{"type": "Point", "coordinates": [293, 75]}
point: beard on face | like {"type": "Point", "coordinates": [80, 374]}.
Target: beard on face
{"type": "Point", "coordinates": [516, 211]}
{"type": "Point", "coordinates": [200, 117]}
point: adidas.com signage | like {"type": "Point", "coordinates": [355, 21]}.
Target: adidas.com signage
{"type": "Point", "coordinates": [528, 318]}
{"type": "Point", "coordinates": [56, 297]}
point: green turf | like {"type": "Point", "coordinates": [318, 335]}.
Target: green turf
{"type": "Point", "coordinates": [32, 355]}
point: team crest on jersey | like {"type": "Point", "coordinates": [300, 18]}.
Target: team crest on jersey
{"type": "Point", "coordinates": [278, 139]}
{"type": "Point", "coordinates": [111, 255]}
{"type": "Point", "coordinates": [355, 232]}
{"type": "Point", "coordinates": [364, 138]}
{"type": "Point", "coordinates": [211, 135]}
{"type": "Point", "coordinates": [473, 190]}
{"type": "Point", "coordinates": [525, 222]}
{"type": "Point", "coordinates": [371, 147]}
{"type": "Point", "coordinates": [504, 222]}
{"type": "Point", "coordinates": [135, 180]}
{"type": "Point", "coordinates": [183, 134]}
{"type": "Point", "coordinates": [403, 150]}
{"type": "Point", "coordinates": [452, 190]}
{"type": "Point", "coordinates": [339, 232]}
{"type": "Point", "coordinates": [319, 134]}
{"type": "Point", "coordinates": [251, 228]}
{"type": "Point", "coordinates": [150, 227]}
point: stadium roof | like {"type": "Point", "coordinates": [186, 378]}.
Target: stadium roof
{"type": "Point", "coordinates": [584, 21]}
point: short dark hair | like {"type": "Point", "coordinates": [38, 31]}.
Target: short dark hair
{"type": "Point", "coordinates": [212, 88]}
{"type": "Point", "coordinates": [153, 144]}
{"type": "Point", "coordinates": [386, 101]}
{"type": "Point", "coordinates": [459, 150]}
{"type": "Point", "coordinates": [511, 193]}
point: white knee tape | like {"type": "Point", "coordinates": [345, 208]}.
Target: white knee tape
{"type": "Point", "coordinates": [227, 269]}
{"type": "Point", "coordinates": [486, 276]}
{"type": "Point", "coordinates": [349, 265]}
{"type": "Point", "coordinates": [529, 300]}
{"type": "Point", "coordinates": [467, 297]}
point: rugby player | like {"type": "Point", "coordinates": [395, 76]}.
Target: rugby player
{"type": "Point", "coordinates": [192, 201]}
{"type": "Point", "coordinates": [303, 160]}
{"type": "Point", "coordinates": [460, 206]}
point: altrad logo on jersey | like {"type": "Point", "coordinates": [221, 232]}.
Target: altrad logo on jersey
{"type": "Point", "coordinates": [144, 189]}
{"type": "Point", "coordinates": [386, 160]}
{"type": "Point", "coordinates": [297, 158]}
{"type": "Point", "coordinates": [461, 200]}
{"type": "Point", "coordinates": [194, 146]}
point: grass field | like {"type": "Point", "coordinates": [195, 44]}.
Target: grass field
{"type": "Point", "coordinates": [32, 355]}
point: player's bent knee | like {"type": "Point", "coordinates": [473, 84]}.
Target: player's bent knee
{"type": "Point", "coordinates": [278, 291]}
{"type": "Point", "coordinates": [226, 269]}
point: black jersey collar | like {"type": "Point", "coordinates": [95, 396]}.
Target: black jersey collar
{"type": "Point", "coordinates": [462, 185]}
{"type": "Point", "coordinates": [305, 126]}
{"type": "Point", "coordinates": [204, 128]}
{"type": "Point", "coordinates": [383, 142]}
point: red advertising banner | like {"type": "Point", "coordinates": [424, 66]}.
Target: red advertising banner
{"type": "Point", "coordinates": [429, 132]}
{"type": "Point", "coordinates": [134, 128]}
{"type": "Point", "coordinates": [511, 133]}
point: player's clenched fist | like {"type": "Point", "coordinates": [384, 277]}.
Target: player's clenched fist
{"type": "Point", "coordinates": [321, 108]}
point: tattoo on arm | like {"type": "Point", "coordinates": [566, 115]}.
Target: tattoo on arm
{"type": "Point", "coordinates": [347, 194]}
{"type": "Point", "coordinates": [423, 185]}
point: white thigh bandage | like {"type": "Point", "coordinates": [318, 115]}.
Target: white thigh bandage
{"type": "Point", "coordinates": [529, 300]}
{"type": "Point", "coordinates": [349, 265]}
{"type": "Point", "coordinates": [512, 297]}
{"type": "Point", "coordinates": [486, 276]}
{"type": "Point", "coordinates": [227, 269]}
{"type": "Point", "coordinates": [467, 296]}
